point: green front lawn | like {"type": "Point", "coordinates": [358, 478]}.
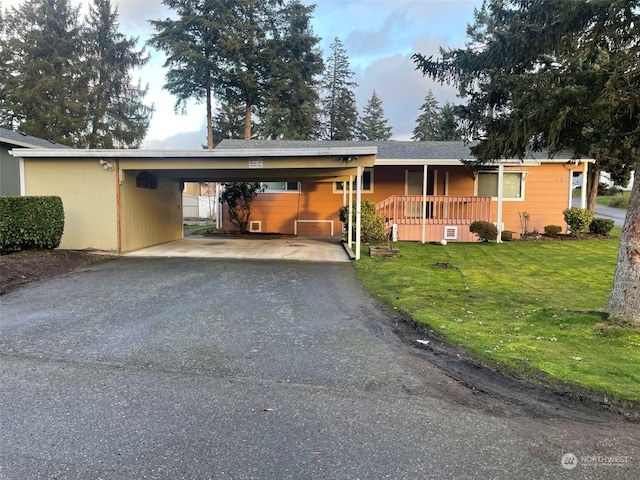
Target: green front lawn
{"type": "Point", "coordinates": [524, 307]}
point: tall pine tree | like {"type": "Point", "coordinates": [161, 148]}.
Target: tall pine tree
{"type": "Point", "coordinates": [193, 61]}
{"type": "Point", "coordinates": [118, 118]}
{"type": "Point", "coordinates": [46, 84]}
{"type": "Point", "coordinates": [68, 82]}
{"type": "Point", "coordinates": [448, 126]}
{"type": "Point", "coordinates": [292, 111]}
{"type": "Point", "coordinates": [258, 54]}
{"type": "Point", "coordinates": [373, 125]}
{"type": "Point", "coordinates": [428, 123]}
{"type": "Point", "coordinates": [339, 102]}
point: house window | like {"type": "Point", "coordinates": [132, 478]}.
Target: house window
{"type": "Point", "coordinates": [367, 183]}
{"type": "Point", "coordinates": [279, 187]}
{"type": "Point", "coordinates": [512, 185]}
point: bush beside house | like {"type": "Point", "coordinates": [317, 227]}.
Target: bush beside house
{"type": "Point", "coordinates": [371, 224]}
{"type": "Point", "coordinates": [30, 222]}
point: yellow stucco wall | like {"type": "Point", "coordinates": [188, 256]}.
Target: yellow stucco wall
{"type": "Point", "coordinates": [149, 216]}
{"type": "Point", "coordinates": [88, 195]}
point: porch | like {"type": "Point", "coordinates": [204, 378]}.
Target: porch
{"type": "Point", "coordinates": [432, 218]}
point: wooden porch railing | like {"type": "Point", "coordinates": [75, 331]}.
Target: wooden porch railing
{"type": "Point", "coordinates": [440, 210]}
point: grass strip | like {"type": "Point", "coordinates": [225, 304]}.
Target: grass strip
{"type": "Point", "coordinates": [525, 307]}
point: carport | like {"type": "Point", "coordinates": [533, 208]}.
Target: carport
{"type": "Point", "coordinates": [124, 200]}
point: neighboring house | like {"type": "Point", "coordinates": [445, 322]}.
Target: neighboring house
{"type": "Point", "coordinates": [10, 171]}
{"type": "Point", "coordinates": [422, 190]}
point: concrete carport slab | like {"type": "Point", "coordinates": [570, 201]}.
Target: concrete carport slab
{"type": "Point", "coordinates": [308, 249]}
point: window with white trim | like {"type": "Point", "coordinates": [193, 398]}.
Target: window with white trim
{"type": "Point", "coordinates": [367, 182]}
{"type": "Point", "coordinates": [279, 187]}
{"type": "Point", "coordinates": [512, 185]}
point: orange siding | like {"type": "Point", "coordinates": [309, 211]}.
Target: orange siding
{"type": "Point", "coordinates": [546, 195]}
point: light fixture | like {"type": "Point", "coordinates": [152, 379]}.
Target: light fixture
{"type": "Point", "coordinates": [108, 166]}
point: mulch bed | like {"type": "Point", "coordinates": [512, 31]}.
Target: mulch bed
{"type": "Point", "coordinates": [30, 265]}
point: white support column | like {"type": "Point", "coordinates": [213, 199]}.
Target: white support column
{"type": "Point", "coordinates": [217, 207]}
{"type": "Point", "coordinates": [424, 203]}
{"type": "Point", "coordinates": [350, 221]}
{"type": "Point", "coordinates": [500, 195]}
{"type": "Point", "coordinates": [570, 202]}
{"type": "Point", "coordinates": [358, 209]}
{"type": "Point", "coordinates": [583, 188]}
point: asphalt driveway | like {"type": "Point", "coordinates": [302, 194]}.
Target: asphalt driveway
{"type": "Point", "coordinates": [168, 368]}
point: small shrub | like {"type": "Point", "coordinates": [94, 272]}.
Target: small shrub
{"type": "Point", "coordinates": [620, 200]}
{"type": "Point", "coordinates": [371, 224]}
{"type": "Point", "coordinates": [601, 226]}
{"type": "Point", "coordinates": [552, 230]}
{"type": "Point", "coordinates": [487, 231]}
{"type": "Point", "coordinates": [578, 219]}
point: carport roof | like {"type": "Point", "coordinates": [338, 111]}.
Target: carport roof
{"type": "Point", "coordinates": [316, 161]}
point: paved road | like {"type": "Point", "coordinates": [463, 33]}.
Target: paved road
{"type": "Point", "coordinates": [602, 211]}
{"type": "Point", "coordinates": [222, 369]}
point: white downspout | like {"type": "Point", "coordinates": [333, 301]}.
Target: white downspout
{"type": "Point", "coordinates": [358, 208]}
{"type": "Point", "coordinates": [218, 208]}
{"type": "Point", "coordinates": [500, 195]}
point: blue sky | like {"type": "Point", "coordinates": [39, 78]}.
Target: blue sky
{"type": "Point", "coordinates": [379, 36]}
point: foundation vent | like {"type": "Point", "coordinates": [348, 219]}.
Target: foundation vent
{"type": "Point", "coordinates": [255, 226]}
{"type": "Point", "coordinates": [450, 233]}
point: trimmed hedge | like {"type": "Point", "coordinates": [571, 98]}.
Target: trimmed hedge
{"type": "Point", "coordinates": [601, 226]}
{"type": "Point", "coordinates": [578, 219]}
{"type": "Point", "coordinates": [30, 222]}
{"type": "Point", "coordinates": [552, 230]}
{"type": "Point", "coordinates": [487, 231]}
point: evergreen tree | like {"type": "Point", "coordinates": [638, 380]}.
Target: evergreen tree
{"type": "Point", "coordinates": [556, 75]}
{"type": "Point", "coordinates": [293, 112]}
{"type": "Point", "coordinates": [5, 58]}
{"type": "Point", "coordinates": [117, 115]}
{"type": "Point", "coordinates": [193, 60]}
{"type": "Point", "coordinates": [339, 103]}
{"type": "Point", "coordinates": [373, 126]}
{"type": "Point", "coordinates": [259, 54]}
{"type": "Point", "coordinates": [228, 122]}
{"type": "Point", "coordinates": [46, 82]}
{"type": "Point", "coordinates": [428, 123]}
{"type": "Point", "coordinates": [448, 129]}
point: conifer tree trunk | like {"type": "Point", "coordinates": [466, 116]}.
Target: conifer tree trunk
{"type": "Point", "coordinates": [247, 122]}
{"type": "Point", "coordinates": [209, 120]}
{"type": "Point", "coordinates": [624, 298]}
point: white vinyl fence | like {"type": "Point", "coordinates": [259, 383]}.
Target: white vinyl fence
{"type": "Point", "coordinates": [199, 207]}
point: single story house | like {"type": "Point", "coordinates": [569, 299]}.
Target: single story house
{"type": "Point", "coordinates": [423, 190]}
{"type": "Point", "coordinates": [124, 200]}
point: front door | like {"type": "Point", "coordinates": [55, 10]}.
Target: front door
{"type": "Point", "coordinates": [414, 181]}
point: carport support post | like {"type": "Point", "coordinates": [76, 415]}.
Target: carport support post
{"type": "Point", "coordinates": [350, 210]}
{"type": "Point", "coordinates": [500, 196]}
{"type": "Point", "coordinates": [424, 203]}
{"type": "Point", "coordinates": [358, 208]}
